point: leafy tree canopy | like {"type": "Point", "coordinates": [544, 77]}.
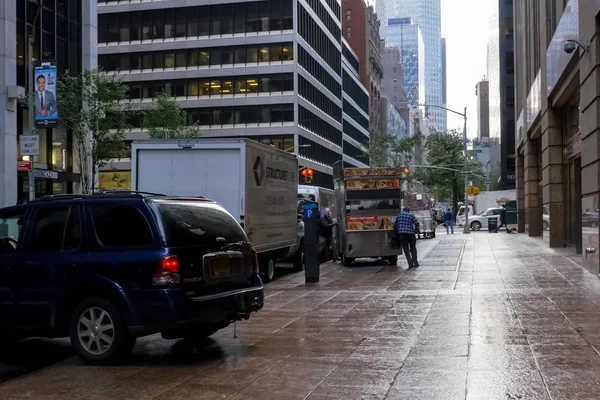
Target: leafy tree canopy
{"type": "Point", "coordinates": [166, 120]}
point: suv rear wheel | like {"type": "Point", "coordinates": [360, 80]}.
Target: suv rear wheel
{"type": "Point", "coordinates": [98, 332]}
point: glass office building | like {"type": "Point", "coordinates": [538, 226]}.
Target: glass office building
{"type": "Point", "coordinates": [427, 15]}
{"type": "Point", "coordinates": [406, 35]}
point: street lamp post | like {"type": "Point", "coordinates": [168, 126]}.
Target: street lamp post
{"type": "Point", "coordinates": [464, 115]}
{"type": "Point", "coordinates": [30, 94]}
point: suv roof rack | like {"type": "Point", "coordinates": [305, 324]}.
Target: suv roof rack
{"type": "Point", "coordinates": [101, 193]}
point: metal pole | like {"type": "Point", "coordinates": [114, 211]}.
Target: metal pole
{"type": "Point", "coordinates": [31, 93]}
{"type": "Point", "coordinates": [466, 227]}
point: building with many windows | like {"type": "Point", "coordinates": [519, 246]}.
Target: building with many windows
{"type": "Point", "coordinates": [64, 32]}
{"type": "Point", "coordinates": [268, 70]}
{"type": "Point", "coordinates": [404, 34]}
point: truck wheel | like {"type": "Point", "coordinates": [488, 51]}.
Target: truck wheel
{"type": "Point", "coordinates": [98, 332]}
{"type": "Point", "coordinates": [393, 260]}
{"type": "Point", "coordinates": [347, 261]}
{"type": "Point", "coordinates": [299, 258]}
{"type": "Point", "coordinates": [267, 268]}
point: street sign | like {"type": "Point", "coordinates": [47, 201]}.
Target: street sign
{"type": "Point", "coordinates": [45, 174]}
{"type": "Point", "coordinates": [476, 151]}
{"type": "Point", "coordinates": [24, 165]}
{"type": "Point", "coordinates": [30, 145]}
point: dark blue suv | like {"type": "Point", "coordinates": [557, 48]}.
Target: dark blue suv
{"type": "Point", "coordinates": [107, 268]}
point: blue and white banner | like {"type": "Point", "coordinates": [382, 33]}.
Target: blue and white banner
{"type": "Point", "coordinates": [45, 80]}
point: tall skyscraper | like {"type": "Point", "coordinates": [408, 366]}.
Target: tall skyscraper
{"type": "Point", "coordinates": [501, 74]}
{"type": "Point", "coordinates": [381, 8]}
{"type": "Point", "coordinates": [482, 90]}
{"type": "Point", "coordinates": [444, 98]}
{"type": "Point", "coordinates": [427, 14]}
{"type": "Point", "coordinates": [406, 35]}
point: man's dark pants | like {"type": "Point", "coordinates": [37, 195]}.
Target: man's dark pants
{"type": "Point", "coordinates": [408, 241]}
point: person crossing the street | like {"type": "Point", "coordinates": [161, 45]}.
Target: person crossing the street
{"type": "Point", "coordinates": [406, 227]}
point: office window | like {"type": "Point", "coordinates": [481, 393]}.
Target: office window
{"type": "Point", "coordinates": [125, 63]}
{"type": "Point", "coordinates": [227, 116]}
{"type": "Point", "coordinates": [203, 22]}
{"type": "Point", "coordinates": [192, 58]}
{"type": "Point", "coordinates": [252, 85]}
{"type": "Point", "coordinates": [112, 23]}
{"type": "Point", "coordinates": [227, 86]}
{"type": "Point", "coordinates": [159, 60]}
{"type": "Point", "coordinates": [204, 87]}
{"type": "Point", "coordinates": [135, 91]}
{"type": "Point", "coordinates": [263, 53]}
{"type": "Point", "coordinates": [215, 20]}
{"type": "Point", "coordinates": [263, 16]}
{"type": "Point", "coordinates": [275, 20]}
{"type": "Point", "coordinates": [239, 23]}
{"type": "Point", "coordinates": [263, 83]}
{"type": "Point", "coordinates": [193, 88]}
{"type": "Point", "coordinates": [170, 60]}
{"type": "Point", "coordinates": [147, 61]}
{"type": "Point", "coordinates": [146, 26]}
{"type": "Point", "coordinates": [227, 16]}
{"type": "Point", "coordinates": [179, 88]}
{"type": "Point", "coordinates": [276, 84]}
{"type": "Point", "coordinates": [169, 90]}
{"type": "Point", "coordinates": [124, 27]}
{"type": "Point", "coordinates": [181, 17]}
{"type": "Point", "coordinates": [251, 54]}
{"type": "Point", "coordinates": [227, 55]}
{"type": "Point", "coordinates": [192, 25]}
{"type": "Point", "coordinates": [180, 59]}
{"type": "Point", "coordinates": [136, 60]}
{"type": "Point", "coordinates": [287, 15]}
{"type": "Point", "coordinates": [288, 82]}
{"type": "Point", "coordinates": [239, 56]}
{"type": "Point", "coordinates": [277, 114]}
{"type": "Point", "coordinates": [251, 17]}
{"type": "Point", "coordinates": [508, 28]}
{"type": "Point", "coordinates": [203, 57]}
{"type": "Point", "coordinates": [510, 62]}
{"type": "Point", "coordinates": [215, 56]}
{"type": "Point", "coordinates": [287, 52]}
{"type": "Point", "coordinates": [348, 32]}
{"type": "Point", "coordinates": [169, 21]}
{"type": "Point", "coordinates": [215, 86]}
{"type": "Point", "coordinates": [240, 85]}
{"type": "Point", "coordinates": [276, 52]}
{"type": "Point", "coordinates": [135, 31]}
{"type": "Point", "coordinates": [348, 14]}
{"type": "Point", "coordinates": [158, 24]}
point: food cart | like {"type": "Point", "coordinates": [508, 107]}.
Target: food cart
{"type": "Point", "coordinates": [368, 200]}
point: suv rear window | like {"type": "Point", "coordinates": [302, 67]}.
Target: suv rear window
{"type": "Point", "coordinates": [194, 223]}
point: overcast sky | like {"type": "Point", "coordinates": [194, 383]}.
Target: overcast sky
{"type": "Point", "coordinates": [465, 25]}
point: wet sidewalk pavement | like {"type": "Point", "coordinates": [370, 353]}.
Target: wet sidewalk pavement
{"type": "Point", "coordinates": [486, 316]}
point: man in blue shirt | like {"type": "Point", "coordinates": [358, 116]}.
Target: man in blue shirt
{"type": "Point", "coordinates": [448, 219]}
{"type": "Point", "coordinates": [406, 224]}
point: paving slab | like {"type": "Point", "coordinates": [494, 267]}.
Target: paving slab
{"type": "Point", "coordinates": [485, 316]}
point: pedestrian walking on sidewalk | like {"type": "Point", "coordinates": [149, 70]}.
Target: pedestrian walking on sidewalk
{"type": "Point", "coordinates": [326, 225]}
{"type": "Point", "coordinates": [449, 221]}
{"type": "Point", "coordinates": [503, 221]}
{"type": "Point", "coordinates": [406, 227]}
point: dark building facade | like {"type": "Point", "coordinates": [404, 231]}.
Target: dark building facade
{"type": "Point", "coordinates": [65, 33]}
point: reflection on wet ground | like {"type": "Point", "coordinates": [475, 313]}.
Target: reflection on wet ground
{"type": "Point", "coordinates": [485, 317]}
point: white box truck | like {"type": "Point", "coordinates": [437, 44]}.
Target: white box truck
{"type": "Point", "coordinates": [257, 184]}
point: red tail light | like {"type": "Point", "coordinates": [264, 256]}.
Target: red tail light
{"type": "Point", "coordinates": [167, 272]}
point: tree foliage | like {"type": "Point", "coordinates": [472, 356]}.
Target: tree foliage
{"type": "Point", "coordinates": [166, 120]}
{"type": "Point", "coordinates": [388, 150]}
{"type": "Point", "coordinates": [90, 105]}
{"type": "Point", "coordinates": [445, 175]}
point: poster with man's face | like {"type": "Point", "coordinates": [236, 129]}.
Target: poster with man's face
{"type": "Point", "coordinates": [46, 111]}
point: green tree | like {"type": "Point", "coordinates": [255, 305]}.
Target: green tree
{"type": "Point", "coordinates": [166, 120]}
{"type": "Point", "coordinates": [91, 106]}
{"type": "Point", "coordinates": [445, 175]}
{"type": "Point", "coordinates": [388, 150]}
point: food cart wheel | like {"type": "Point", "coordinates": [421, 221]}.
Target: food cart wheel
{"type": "Point", "coordinates": [347, 261]}
{"type": "Point", "coordinates": [393, 260]}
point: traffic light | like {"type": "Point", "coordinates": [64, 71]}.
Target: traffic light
{"type": "Point", "coordinates": [307, 175]}
{"type": "Point", "coordinates": [406, 171]}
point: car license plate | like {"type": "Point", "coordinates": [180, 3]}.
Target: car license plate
{"type": "Point", "coordinates": [221, 268]}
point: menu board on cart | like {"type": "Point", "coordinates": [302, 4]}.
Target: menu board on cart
{"type": "Point", "coordinates": [373, 184]}
{"type": "Point", "coordinates": [371, 172]}
{"type": "Point", "coordinates": [369, 223]}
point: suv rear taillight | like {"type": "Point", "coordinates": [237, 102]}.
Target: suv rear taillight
{"type": "Point", "coordinates": [167, 272]}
